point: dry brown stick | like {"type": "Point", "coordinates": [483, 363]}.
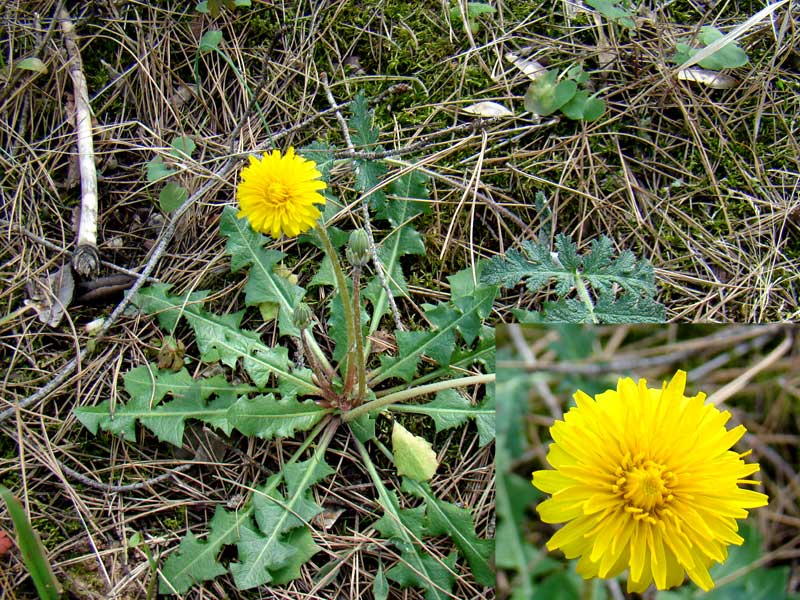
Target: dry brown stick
{"type": "Point", "coordinates": [675, 353]}
{"type": "Point", "coordinates": [85, 259]}
{"type": "Point", "coordinates": [56, 248]}
{"type": "Point", "coordinates": [129, 487]}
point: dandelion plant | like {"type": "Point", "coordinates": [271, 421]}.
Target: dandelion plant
{"type": "Point", "coordinates": [332, 380]}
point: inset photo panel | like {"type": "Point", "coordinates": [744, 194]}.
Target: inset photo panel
{"type": "Point", "coordinates": [648, 461]}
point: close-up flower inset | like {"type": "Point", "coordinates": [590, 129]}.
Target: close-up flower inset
{"type": "Point", "coordinates": [645, 480]}
{"type": "Point", "coordinates": [641, 461]}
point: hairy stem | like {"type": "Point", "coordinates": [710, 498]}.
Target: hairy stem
{"type": "Point", "coordinates": [347, 305]}
{"type": "Point", "coordinates": [360, 358]}
{"type": "Point", "coordinates": [583, 294]}
{"type": "Point", "coordinates": [417, 391]}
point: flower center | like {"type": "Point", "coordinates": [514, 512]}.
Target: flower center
{"type": "Point", "coordinates": [645, 486]}
{"type": "Point", "coordinates": [277, 193]}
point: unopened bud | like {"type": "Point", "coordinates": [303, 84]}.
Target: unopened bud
{"type": "Point", "coordinates": [302, 316]}
{"type": "Point", "coordinates": [358, 248]}
{"type": "Point", "coordinates": [170, 356]}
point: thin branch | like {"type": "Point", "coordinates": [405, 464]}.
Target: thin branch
{"type": "Point", "coordinates": [130, 487]}
{"type": "Point", "coordinates": [56, 248]}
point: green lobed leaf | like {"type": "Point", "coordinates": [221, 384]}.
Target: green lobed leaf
{"type": "Point", "coordinates": [584, 106]}
{"type": "Point", "coordinates": [258, 553]}
{"type": "Point", "coordinates": [323, 156]}
{"type": "Point", "coordinates": [266, 418]}
{"type": "Point", "coordinates": [219, 337]}
{"type": "Point", "coordinates": [464, 315]}
{"type": "Point", "coordinates": [416, 568]}
{"type": "Point", "coordinates": [451, 409]}
{"type": "Point", "coordinates": [364, 427]}
{"type": "Point", "coordinates": [624, 286]}
{"type": "Point", "coordinates": [423, 570]}
{"type": "Point", "coordinates": [546, 95]}
{"type": "Point", "coordinates": [246, 249]}
{"type": "Point", "coordinates": [409, 192]}
{"type": "Point", "coordinates": [445, 518]}
{"type": "Point", "coordinates": [182, 146]}
{"type": "Point", "coordinates": [267, 554]}
{"type": "Point", "coordinates": [535, 265]}
{"type": "Point", "coordinates": [147, 387]}
{"type": "Point", "coordinates": [31, 64]}
{"type": "Point", "coordinates": [172, 196]}
{"type": "Point", "coordinates": [614, 11]}
{"type": "Point", "coordinates": [369, 173]}
{"type": "Point", "coordinates": [210, 40]}
{"type": "Point", "coordinates": [196, 560]}
{"type": "Point", "coordinates": [156, 169]}
{"type": "Point", "coordinates": [364, 135]}
{"type": "Point", "coordinates": [303, 543]}
{"type": "Point", "coordinates": [730, 56]}
{"type": "Point", "coordinates": [276, 513]}
{"type": "Point", "coordinates": [397, 522]}
{"type": "Point", "coordinates": [380, 587]}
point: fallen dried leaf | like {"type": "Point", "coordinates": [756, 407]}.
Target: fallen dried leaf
{"type": "Point", "coordinates": [487, 109]}
{"type": "Point", "coordinates": [712, 79]}
{"type": "Point", "coordinates": [532, 68]}
{"type": "Point", "coordinates": [51, 297]}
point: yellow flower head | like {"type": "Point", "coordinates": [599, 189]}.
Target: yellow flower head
{"type": "Point", "coordinates": [645, 479]}
{"type": "Point", "coordinates": [277, 194]}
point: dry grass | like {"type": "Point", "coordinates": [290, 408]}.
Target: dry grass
{"type": "Point", "coordinates": [139, 59]}
{"type": "Point", "coordinates": [704, 184]}
{"type": "Point", "coordinates": [752, 371]}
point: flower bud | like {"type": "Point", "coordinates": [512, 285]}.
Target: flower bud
{"type": "Point", "coordinates": [358, 248]}
{"type": "Point", "coordinates": [302, 316]}
{"type": "Point", "coordinates": [170, 356]}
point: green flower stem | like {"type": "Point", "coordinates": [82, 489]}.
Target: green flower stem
{"type": "Point", "coordinates": [464, 362]}
{"type": "Point", "coordinates": [390, 510]}
{"type": "Point", "coordinates": [360, 358]}
{"type": "Point", "coordinates": [583, 294]}
{"type": "Point", "coordinates": [343, 292]}
{"type": "Point", "coordinates": [417, 391]}
{"type": "Point", "coordinates": [587, 590]}
{"type": "Point", "coordinates": [316, 351]}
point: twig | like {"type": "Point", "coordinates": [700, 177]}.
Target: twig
{"type": "Point", "coordinates": [364, 209]}
{"type": "Point", "coordinates": [733, 387]}
{"type": "Point", "coordinates": [522, 348]}
{"type": "Point", "coordinates": [107, 487]}
{"type": "Point", "coordinates": [56, 248]}
{"type": "Point", "coordinates": [130, 487]}
{"type": "Point", "coordinates": [85, 259]}
{"type": "Point", "coordinates": [676, 353]}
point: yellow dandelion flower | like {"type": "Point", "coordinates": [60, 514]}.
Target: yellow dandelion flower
{"type": "Point", "coordinates": [645, 480]}
{"type": "Point", "coordinates": [277, 193]}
